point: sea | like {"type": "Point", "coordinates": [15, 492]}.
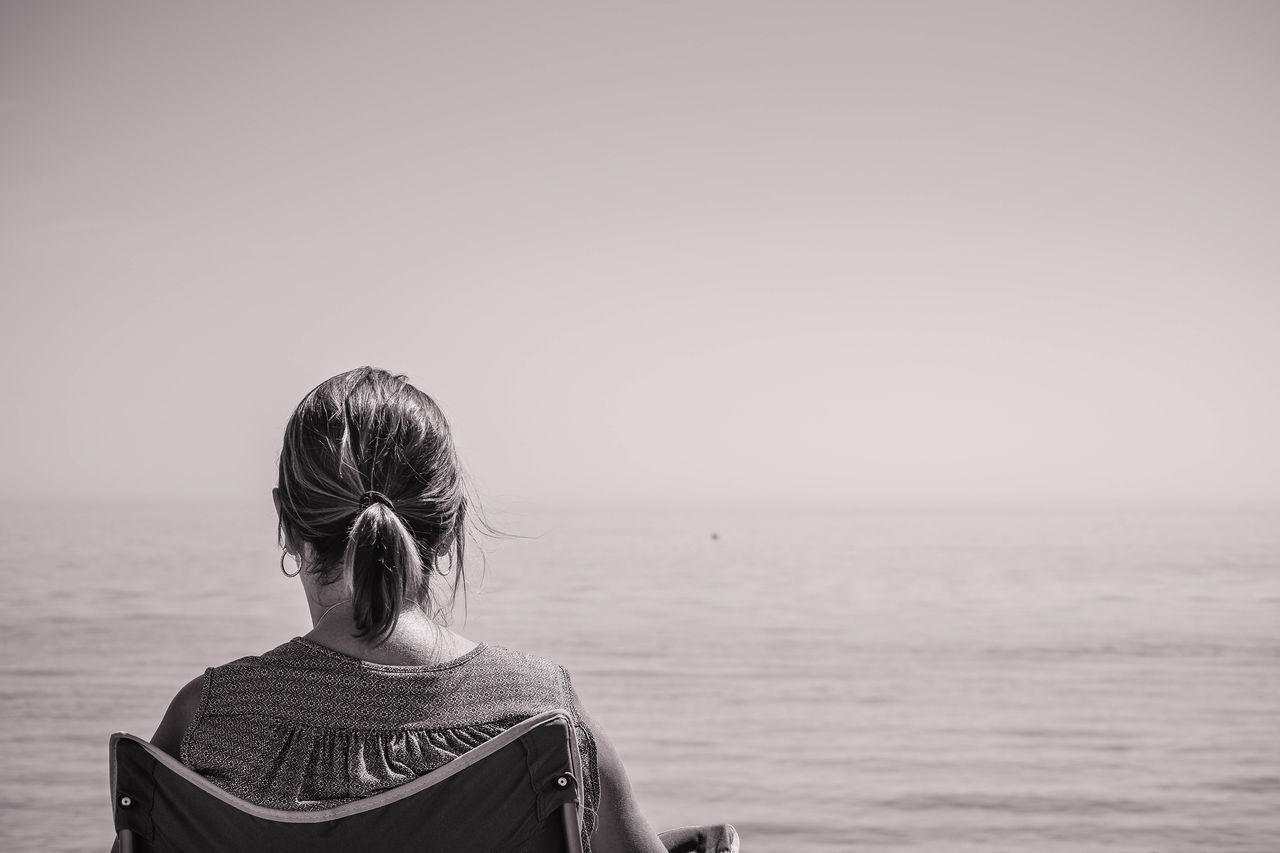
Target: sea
{"type": "Point", "coordinates": [825, 679]}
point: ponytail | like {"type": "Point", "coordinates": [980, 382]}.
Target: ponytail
{"type": "Point", "coordinates": [386, 570]}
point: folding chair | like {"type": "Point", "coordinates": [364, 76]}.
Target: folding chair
{"type": "Point", "coordinates": [516, 793]}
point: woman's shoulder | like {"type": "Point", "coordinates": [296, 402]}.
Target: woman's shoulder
{"type": "Point", "coordinates": [186, 706]}
{"type": "Point", "coordinates": [518, 661]}
{"type": "Point", "coordinates": [182, 712]}
{"type": "Point", "coordinates": [502, 669]}
{"type": "Point", "coordinates": [290, 653]}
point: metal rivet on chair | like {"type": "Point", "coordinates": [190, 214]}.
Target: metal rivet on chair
{"type": "Point", "coordinates": [126, 801]}
{"type": "Point", "coordinates": [563, 781]}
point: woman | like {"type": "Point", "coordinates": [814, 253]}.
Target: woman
{"type": "Point", "coordinates": [372, 508]}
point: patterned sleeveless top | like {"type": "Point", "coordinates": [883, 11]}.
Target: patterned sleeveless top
{"type": "Point", "coordinates": [305, 727]}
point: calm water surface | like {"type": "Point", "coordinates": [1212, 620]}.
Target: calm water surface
{"type": "Point", "coordinates": [825, 680]}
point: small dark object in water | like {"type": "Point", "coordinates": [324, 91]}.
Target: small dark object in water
{"type": "Point", "coordinates": [714, 536]}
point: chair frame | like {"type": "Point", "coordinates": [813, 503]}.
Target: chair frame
{"type": "Point", "coordinates": [571, 812]}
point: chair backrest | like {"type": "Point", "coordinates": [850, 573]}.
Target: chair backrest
{"type": "Point", "coordinates": [517, 792]}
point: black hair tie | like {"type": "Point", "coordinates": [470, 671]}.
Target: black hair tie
{"type": "Point", "coordinates": [371, 497]}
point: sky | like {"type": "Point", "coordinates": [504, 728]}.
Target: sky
{"type": "Point", "coordinates": [787, 252]}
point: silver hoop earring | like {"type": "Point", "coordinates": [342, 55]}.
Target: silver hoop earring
{"type": "Point", "coordinates": [283, 571]}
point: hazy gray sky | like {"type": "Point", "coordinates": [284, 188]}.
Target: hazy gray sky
{"type": "Point", "coordinates": [873, 252]}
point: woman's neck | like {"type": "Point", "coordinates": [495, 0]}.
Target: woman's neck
{"type": "Point", "coordinates": [416, 640]}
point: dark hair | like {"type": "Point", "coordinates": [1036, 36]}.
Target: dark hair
{"type": "Point", "coordinates": [370, 431]}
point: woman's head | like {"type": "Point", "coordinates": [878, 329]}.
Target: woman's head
{"type": "Point", "coordinates": [370, 480]}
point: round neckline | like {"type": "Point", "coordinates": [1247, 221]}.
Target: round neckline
{"type": "Point", "coordinates": [390, 667]}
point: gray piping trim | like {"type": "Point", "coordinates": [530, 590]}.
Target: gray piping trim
{"type": "Point", "coordinates": [457, 765]}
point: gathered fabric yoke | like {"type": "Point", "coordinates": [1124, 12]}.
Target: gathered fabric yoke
{"type": "Point", "coordinates": [305, 727]}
